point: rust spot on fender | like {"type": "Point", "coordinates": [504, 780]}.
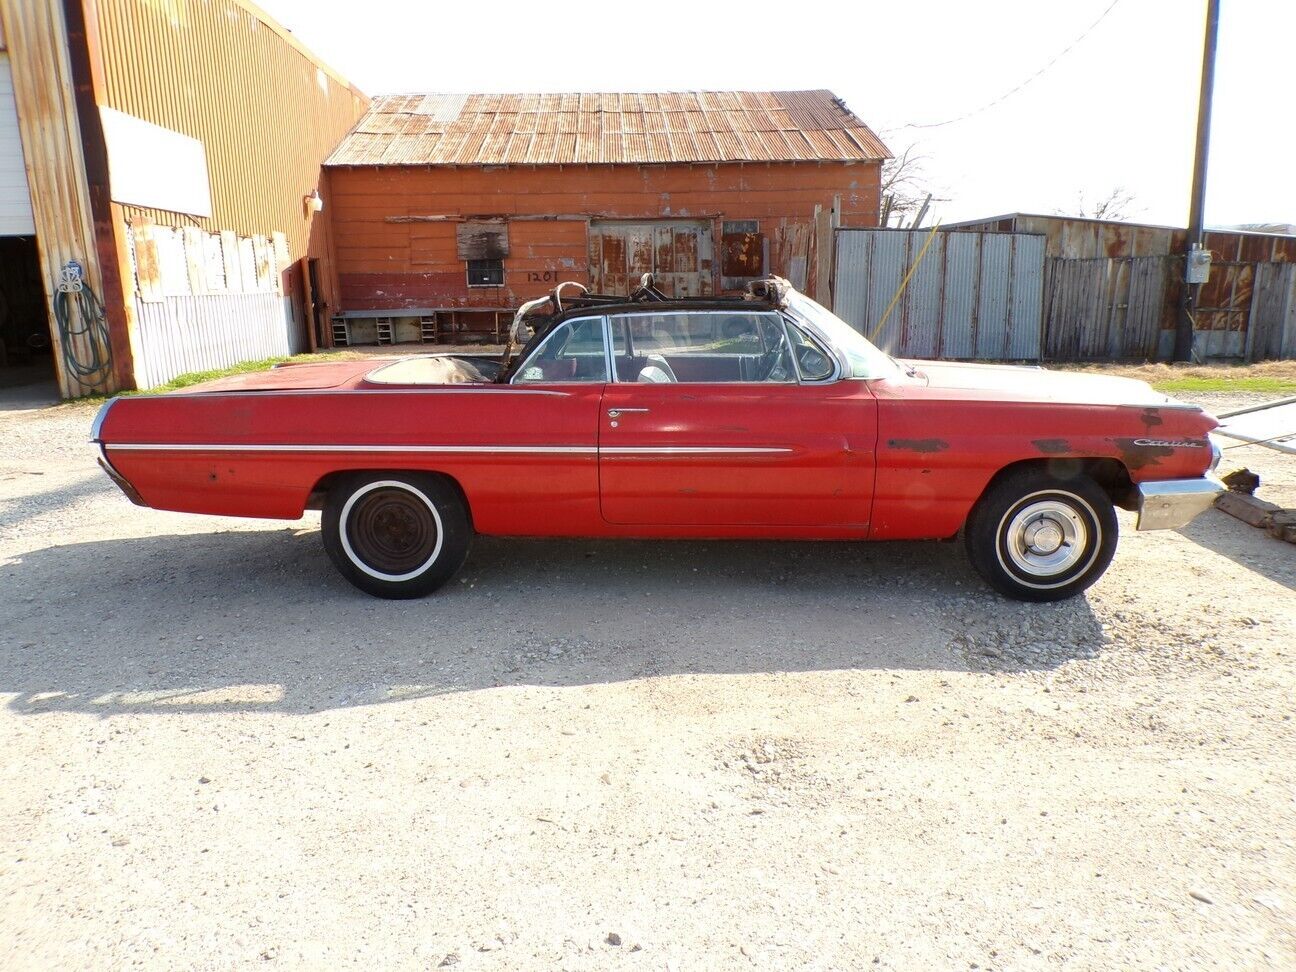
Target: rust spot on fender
{"type": "Point", "coordinates": [1052, 447]}
{"type": "Point", "coordinates": [918, 445]}
{"type": "Point", "coordinates": [1137, 456]}
{"type": "Point", "coordinates": [1151, 418]}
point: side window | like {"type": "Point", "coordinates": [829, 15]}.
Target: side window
{"type": "Point", "coordinates": [703, 346]}
{"type": "Point", "coordinates": [814, 363]}
{"type": "Point", "coordinates": [574, 351]}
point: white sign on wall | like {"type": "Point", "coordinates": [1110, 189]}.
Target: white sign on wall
{"type": "Point", "coordinates": [152, 166]}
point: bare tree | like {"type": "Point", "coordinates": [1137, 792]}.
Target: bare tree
{"type": "Point", "coordinates": [1117, 204]}
{"type": "Point", "coordinates": [906, 192]}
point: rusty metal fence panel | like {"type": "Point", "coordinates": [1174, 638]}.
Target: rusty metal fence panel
{"type": "Point", "coordinates": [973, 295]}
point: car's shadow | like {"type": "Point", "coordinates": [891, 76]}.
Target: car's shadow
{"type": "Point", "coordinates": [1245, 545]}
{"type": "Point", "coordinates": [258, 620]}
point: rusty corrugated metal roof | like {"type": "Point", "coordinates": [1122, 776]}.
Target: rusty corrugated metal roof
{"type": "Point", "coordinates": [552, 129]}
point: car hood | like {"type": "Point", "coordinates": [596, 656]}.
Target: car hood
{"type": "Point", "coordinates": [1016, 383]}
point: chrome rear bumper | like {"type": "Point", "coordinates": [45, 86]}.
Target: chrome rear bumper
{"type": "Point", "coordinates": [1173, 503]}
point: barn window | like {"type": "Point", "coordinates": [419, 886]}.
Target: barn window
{"type": "Point", "coordinates": [485, 273]}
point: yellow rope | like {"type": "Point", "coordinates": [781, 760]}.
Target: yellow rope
{"type": "Point", "coordinates": [904, 283]}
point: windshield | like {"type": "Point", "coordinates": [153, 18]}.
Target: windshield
{"type": "Point", "coordinates": [866, 361]}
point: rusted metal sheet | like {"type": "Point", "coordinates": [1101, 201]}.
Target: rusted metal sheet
{"type": "Point", "coordinates": [1080, 239]}
{"type": "Point", "coordinates": [1106, 306]}
{"type": "Point", "coordinates": [973, 295]}
{"type": "Point", "coordinates": [744, 253]}
{"type": "Point", "coordinates": [678, 253]}
{"type": "Point", "coordinates": [535, 129]}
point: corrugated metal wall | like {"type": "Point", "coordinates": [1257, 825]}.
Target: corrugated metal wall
{"type": "Point", "coordinates": [973, 296]}
{"type": "Point", "coordinates": [1074, 238]}
{"type": "Point", "coordinates": [184, 334]}
{"type": "Point", "coordinates": [36, 36]}
{"type": "Point", "coordinates": [266, 111]}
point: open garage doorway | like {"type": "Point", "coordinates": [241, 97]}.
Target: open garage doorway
{"type": "Point", "coordinates": [26, 357]}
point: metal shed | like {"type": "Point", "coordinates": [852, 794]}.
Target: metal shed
{"type": "Point", "coordinates": [170, 151]}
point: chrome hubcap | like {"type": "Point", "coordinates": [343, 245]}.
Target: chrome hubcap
{"type": "Point", "coordinates": [1046, 538]}
{"type": "Point", "coordinates": [1043, 537]}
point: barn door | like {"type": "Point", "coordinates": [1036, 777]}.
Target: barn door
{"type": "Point", "coordinates": [677, 253]}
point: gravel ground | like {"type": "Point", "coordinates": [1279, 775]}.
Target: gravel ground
{"type": "Point", "coordinates": [631, 755]}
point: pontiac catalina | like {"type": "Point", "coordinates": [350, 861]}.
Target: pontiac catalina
{"type": "Point", "coordinates": [763, 416]}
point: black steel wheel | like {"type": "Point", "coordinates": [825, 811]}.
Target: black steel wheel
{"type": "Point", "coordinates": [1035, 537]}
{"type": "Point", "coordinates": [395, 535]}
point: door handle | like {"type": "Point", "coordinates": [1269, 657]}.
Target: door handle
{"type": "Point", "coordinates": [618, 412]}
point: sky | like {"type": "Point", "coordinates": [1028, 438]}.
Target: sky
{"type": "Point", "coordinates": [1118, 111]}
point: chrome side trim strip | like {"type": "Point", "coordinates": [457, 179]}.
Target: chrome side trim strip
{"type": "Point", "coordinates": [192, 447]}
{"type": "Point", "coordinates": [491, 449]}
{"type": "Point", "coordinates": [466, 388]}
{"type": "Point", "coordinates": [686, 450]}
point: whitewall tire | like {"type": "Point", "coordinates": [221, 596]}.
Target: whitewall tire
{"type": "Point", "coordinates": [1035, 537]}
{"type": "Point", "coordinates": [395, 535]}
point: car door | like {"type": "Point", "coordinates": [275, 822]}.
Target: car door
{"type": "Point", "coordinates": [707, 423]}
{"type": "Point", "coordinates": [543, 479]}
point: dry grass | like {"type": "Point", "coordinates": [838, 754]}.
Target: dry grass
{"type": "Point", "coordinates": [1265, 376]}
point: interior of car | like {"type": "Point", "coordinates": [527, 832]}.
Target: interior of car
{"type": "Point", "coordinates": [677, 346]}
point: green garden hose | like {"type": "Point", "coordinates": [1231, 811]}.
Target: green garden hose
{"type": "Point", "coordinates": [80, 317]}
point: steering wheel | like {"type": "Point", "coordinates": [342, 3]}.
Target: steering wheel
{"type": "Point", "coordinates": [772, 365]}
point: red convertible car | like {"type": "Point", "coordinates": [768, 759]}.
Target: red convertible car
{"type": "Point", "coordinates": [756, 417]}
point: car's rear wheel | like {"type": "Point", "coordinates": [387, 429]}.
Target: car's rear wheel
{"type": "Point", "coordinates": [1035, 537]}
{"type": "Point", "coordinates": [395, 535]}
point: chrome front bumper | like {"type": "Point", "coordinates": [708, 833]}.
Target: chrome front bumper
{"type": "Point", "coordinates": [1174, 503]}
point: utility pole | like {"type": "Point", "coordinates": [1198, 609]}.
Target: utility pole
{"type": "Point", "coordinates": [1196, 206]}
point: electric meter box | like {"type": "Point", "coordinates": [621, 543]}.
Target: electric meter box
{"type": "Point", "coordinates": [1199, 265]}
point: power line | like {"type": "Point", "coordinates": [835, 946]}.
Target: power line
{"type": "Point", "coordinates": [1008, 94]}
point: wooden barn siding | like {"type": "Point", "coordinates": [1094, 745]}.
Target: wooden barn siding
{"type": "Point", "coordinates": [385, 265]}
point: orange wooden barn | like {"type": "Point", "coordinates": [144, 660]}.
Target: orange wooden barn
{"type": "Point", "coordinates": [446, 211]}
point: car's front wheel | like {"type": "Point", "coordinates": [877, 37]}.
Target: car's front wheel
{"type": "Point", "coordinates": [395, 535]}
{"type": "Point", "coordinates": [1036, 537]}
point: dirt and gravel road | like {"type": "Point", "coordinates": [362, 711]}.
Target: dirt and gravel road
{"type": "Point", "coordinates": [215, 753]}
